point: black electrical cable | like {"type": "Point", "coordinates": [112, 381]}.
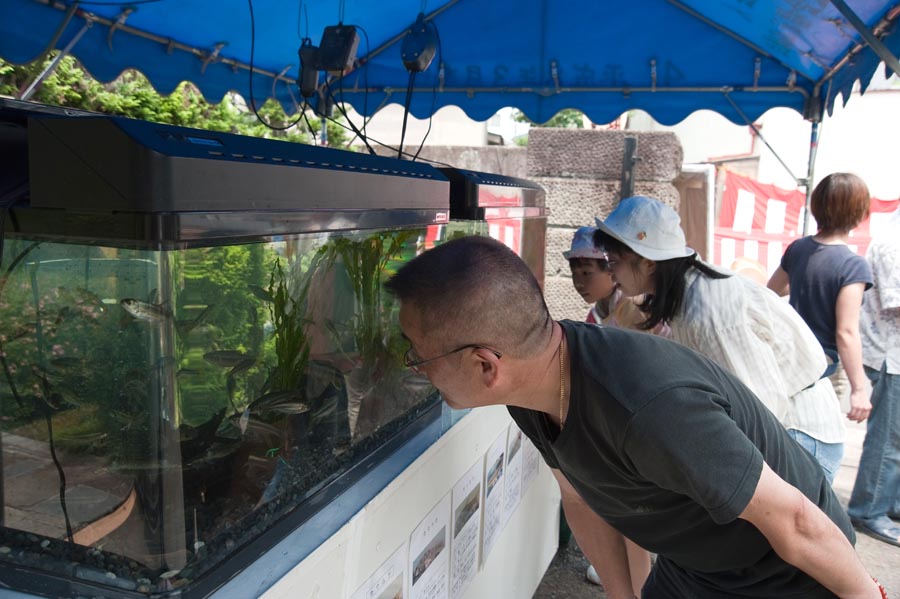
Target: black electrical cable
{"type": "Point", "coordinates": [45, 390]}
{"type": "Point", "coordinates": [340, 107]}
{"type": "Point", "coordinates": [308, 125]}
{"type": "Point", "coordinates": [301, 112]}
{"type": "Point", "coordinates": [252, 102]}
{"type": "Point", "coordinates": [303, 40]}
{"type": "Point", "coordinates": [409, 88]}
{"type": "Point", "coordinates": [300, 13]}
{"type": "Point", "coordinates": [9, 381]}
{"type": "Point", "coordinates": [7, 201]}
{"type": "Point", "coordinates": [433, 89]}
{"type": "Point", "coordinates": [392, 148]}
{"type": "Point", "coordinates": [365, 83]}
{"type": "Point", "coordinates": [366, 120]}
{"type": "Point", "coordinates": [360, 134]}
{"type": "Point", "coordinates": [62, 475]}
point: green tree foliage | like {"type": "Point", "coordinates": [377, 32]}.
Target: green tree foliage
{"type": "Point", "coordinates": [131, 95]}
{"type": "Point", "coordinates": [567, 118]}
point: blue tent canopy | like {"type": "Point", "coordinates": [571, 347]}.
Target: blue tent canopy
{"type": "Point", "coordinates": [669, 58]}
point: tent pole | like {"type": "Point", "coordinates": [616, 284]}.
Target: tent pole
{"type": "Point", "coordinates": [813, 148]}
{"type": "Point", "coordinates": [755, 129]}
{"type": "Point", "coordinates": [29, 91]}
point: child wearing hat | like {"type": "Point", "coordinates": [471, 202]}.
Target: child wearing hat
{"type": "Point", "coordinates": [594, 283]}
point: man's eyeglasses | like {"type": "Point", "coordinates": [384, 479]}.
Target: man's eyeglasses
{"type": "Point", "coordinates": [412, 360]}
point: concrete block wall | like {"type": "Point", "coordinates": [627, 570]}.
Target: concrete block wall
{"type": "Point", "coordinates": [581, 171]}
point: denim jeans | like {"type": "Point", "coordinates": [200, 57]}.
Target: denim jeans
{"type": "Point", "coordinates": [876, 492]}
{"type": "Point", "coordinates": [827, 454]}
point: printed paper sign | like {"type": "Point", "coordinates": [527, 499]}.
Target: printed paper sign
{"type": "Point", "coordinates": [512, 492]}
{"type": "Point", "coordinates": [466, 529]}
{"type": "Point", "coordinates": [388, 581]}
{"type": "Point", "coordinates": [531, 461]}
{"type": "Point", "coordinates": [429, 554]}
{"type": "Point", "coordinates": [493, 494]}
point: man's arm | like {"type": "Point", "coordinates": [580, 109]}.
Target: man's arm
{"type": "Point", "coordinates": [802, 535]}
{"type": "Point", "coordinates": [603, 545]}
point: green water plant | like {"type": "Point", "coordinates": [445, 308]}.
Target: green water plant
{"type": "Point", "coordinates": [373, 326]}
{"type": "Point", "coordinates": [288, 305]}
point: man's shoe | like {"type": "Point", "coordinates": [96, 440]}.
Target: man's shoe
{"type": "Point", "coordinates": [882, 529]}
{"type": "Point", "coordinates": [592, 576]}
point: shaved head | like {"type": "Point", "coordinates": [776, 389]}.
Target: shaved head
{"type": "Point", "coordinates": [476, 290]}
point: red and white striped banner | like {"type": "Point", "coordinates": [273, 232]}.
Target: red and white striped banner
{"type": "Point", "coordinates": [758, 222]}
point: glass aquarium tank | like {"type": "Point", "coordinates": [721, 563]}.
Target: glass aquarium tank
{"type": "Point", "coordinates": [184, 381]}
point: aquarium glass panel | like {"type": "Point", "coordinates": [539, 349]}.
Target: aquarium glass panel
{"type": "Point", "coordinates": [159, 410]}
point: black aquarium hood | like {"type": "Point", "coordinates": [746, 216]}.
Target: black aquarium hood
{"type": "Point", "coordinates": [135, 166]}
{"type": "Point", "coordinates": [120, 180]}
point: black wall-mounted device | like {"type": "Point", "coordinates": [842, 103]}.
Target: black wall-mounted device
{"type": "Point", "coordinates": [308, 80]}
{"type": "Point", "coordinates": [337, 50]}
{"type": "Point", "coordinates": [419, 45]}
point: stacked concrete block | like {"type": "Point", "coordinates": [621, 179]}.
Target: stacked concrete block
{"type": "Point", "coordinates": [581, 171]}
{"type": "Point", "coordinates": [574, 202]}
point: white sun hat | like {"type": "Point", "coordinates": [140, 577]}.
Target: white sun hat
{"type": "Point", "coordinates": [583, 245]}
{"type": "Point", "coordinates": [648, 227]}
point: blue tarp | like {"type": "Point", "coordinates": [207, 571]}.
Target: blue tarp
{"type": "Point", "coordinates": [603, 57]}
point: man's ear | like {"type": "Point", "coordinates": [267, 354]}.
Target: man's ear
{"type": "Point", "coordinates": [489, 365]}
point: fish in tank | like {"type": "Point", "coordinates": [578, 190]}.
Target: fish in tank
{"type": "Point", "coordinates": [161, 409]}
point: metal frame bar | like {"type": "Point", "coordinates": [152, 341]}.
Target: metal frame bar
{"type": "Point", "coordinates": [552, 91]}
{"type": "Point", "coordinates": [879, 29]}
{"type": "Point", "coordinates": [201, 54]}
{"type": "Point", "coordinates": [385, 45]}
{"type": "Point", "coordinates": [813, 150]}
{"type": "Point", "coordinates": [759, 134]}
{"type": "Point", "coordinates": [29, 91]}
{"type": "Point", "coordinates": [874, 42]}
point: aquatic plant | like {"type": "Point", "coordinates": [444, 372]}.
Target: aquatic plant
{"type": "Point", "coordinates": [288, 311]}
{"type": "Point", "coordinates": [373, 326]}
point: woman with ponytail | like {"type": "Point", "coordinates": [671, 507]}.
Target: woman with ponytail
{"type": "Point", "coordinates": [739, 324]}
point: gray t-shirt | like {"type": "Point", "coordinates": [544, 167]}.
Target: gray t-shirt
{"type": "Point", "coordinates": [668, 448]}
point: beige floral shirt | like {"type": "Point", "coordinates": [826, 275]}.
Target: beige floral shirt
{"type": "Point", "coordinates": [879, 321]}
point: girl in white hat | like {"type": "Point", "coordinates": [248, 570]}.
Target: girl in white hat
{"type": "Point", "coordinates": [741, 325]}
